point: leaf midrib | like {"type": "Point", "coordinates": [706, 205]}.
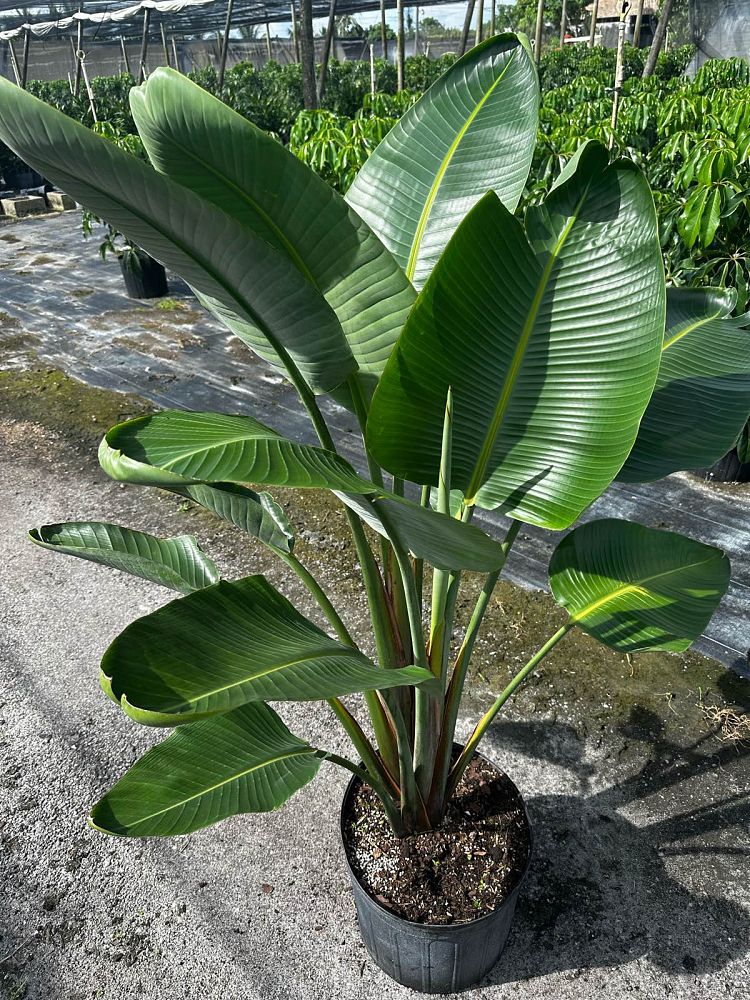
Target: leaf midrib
{"type": "Point", "coordinates": [244, 196]}
{"type": "Point", "coordinates": [517, 360]}
{"type": "Point", "coordinates": [636, 586]}
{"type": "Point", "coordinates": [690, 328]}
{"type": "Point", "coordinates": [411, 264]}
{"type": "Point", "coordinates": [191, 702]}
{"type": "Point", "coordinates": [303, 751]}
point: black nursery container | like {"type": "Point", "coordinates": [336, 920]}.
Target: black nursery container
{"type": "Point", "coordinates": [431, 958]}
{"type": "Point", "coordinates": [145, 278]}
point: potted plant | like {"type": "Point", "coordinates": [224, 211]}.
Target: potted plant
{"type": "Point", "coordinates": [16, 175]}
{"type": "Point", "coordinates": [491, 363]}
{"type": "Point", "coordinates": [145, 278]}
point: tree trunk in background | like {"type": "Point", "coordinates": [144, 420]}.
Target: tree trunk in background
{"type": "Point", "coordinates": [563, 22]}
{"type": "Point", "coordinates": [538, 32]}
{"type": "Point", "coordinates": [330, 30]}
{"type": "Point", "coordinates": [467, 28]}
{"type": "Point", "coordinates": [661, 31]}
{"type": "Point", "coordinates": [480, 23]}
{"type": "Point", "coordinates": [383, 29]}
{"type": "Point", "coordinates": [638, 22]}
{"type": "Point", "coordinates": [307, 54]}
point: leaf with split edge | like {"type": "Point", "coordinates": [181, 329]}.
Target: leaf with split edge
{"type": "Point", "coordinates": [228, 645]}
{"type": "Point", "coordinates": [179, 448]}
{"type": "Point", "coordinates": [559, 330]}
{"type": "Point", "coordinates": [178, 563]}
{"type": "Point", "coordinates": [474, 130]}
{"type": "Point", "coordinates": [215, 254]}
{"type": "Point", "coordinates": [241, 762]}
{"type": "Point", "coordinates": [257, 514]}
{"type": "Point", "coordinates": [199, 142]}
{"type": "Point", "coordinates": [701, 400]}
{"type": "Point", "coordinates": [636, 588]}
{"type": "Point", "coordinates": [444, 542]}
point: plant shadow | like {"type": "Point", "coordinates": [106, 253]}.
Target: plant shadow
{"type": "Point", "coordinates": [649, 867]}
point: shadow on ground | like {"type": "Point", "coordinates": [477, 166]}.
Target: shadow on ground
{"type": "Point", "coordinates": [610, 882]}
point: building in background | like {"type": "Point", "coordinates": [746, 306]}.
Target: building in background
{"type": "Point", "coordinates": [609, 17]}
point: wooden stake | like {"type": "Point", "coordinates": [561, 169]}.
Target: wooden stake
{"type": "Point", "coordinates": [165, 47]}
{"type": "Point", "coordinates": [594, 15]}
{"type": "Point", "coordinates": [14, 63]}
{"type": "Point", "coordinates": [466, 28]}
{"type": "Point", "coordinates": [330, 28]}
{"type": "Point", "coordinates": [479, 33]}
{"type": "Point", "coordinates": [399, 44]}
{"type": "Point", "coordinates": [269, 47]}
{"type": "Point", "coordinates": [175, 56]}
{"type": "Point", "coordinates": [373, 77]}
{"type": "Point", "coordinates": [225, 45]}
{"type": "Point", "coordinates": [538, 33]}
{"type": "Point", "coordinates": [619, 71]}
{"type": "Point", "coordinates": [144, 45]}
{"type": "Point", "coordinates": [78, 48]}
{"type": "Point", "coordinates": [125, 58]}
{"type": "Point", "coordinates": [295, 34]}
{"type": "Point", "coordinates": [89, 91]}
{"type": "Point", "coordinates": [563, 22]}
{"type": "Point", "coordinates": [416, 31]}
{"type": "Point", "coordinates": [383, 30]}
{"type": "Point", "coordinates": [638, 23]}
{"type": "Point", "coordinates": [25, 63]}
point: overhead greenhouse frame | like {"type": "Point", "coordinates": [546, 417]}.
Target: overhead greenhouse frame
{"type": "Point", "coordinates": [162, 20]}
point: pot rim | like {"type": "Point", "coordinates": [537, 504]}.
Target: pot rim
{"type": "Point", "coordinates": [475, 921]}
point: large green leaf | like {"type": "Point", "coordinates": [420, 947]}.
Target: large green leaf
{"type": "Point", "coordinates": [257, 514]}
{"type": "Point", "coordinates": [550, 340]}
{"type": "Point", "coordinates": [288, 322]}
{"type": "Point", "coordinates": [633, 587]}
{"type": "Point", "coordinates": [473, 131]}
{"type": "Point", "coordinates": [201, 143]}
{"type": "Point", "coordinates": [244, 761]}
{"type": "Point", "coordinates": [227, 645]}
{"type": "Point", "coordinates": [175, 448]}
{"type": "Point", "coordinates": [441, 540]}
{"type": "Point", "coordinates": [177, 562]}
{"type": "Point", "coordinates": [702, 396]}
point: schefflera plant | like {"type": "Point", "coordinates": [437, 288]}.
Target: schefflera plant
{"type": "Point", "coordinates": [493, 362]}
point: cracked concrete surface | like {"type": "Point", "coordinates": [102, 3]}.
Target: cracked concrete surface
{"type": "Point", "coordinates": [638, 884]}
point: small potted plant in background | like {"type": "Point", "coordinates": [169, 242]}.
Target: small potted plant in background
{"type": "Point", "coordinates": [490, 363]}
{"type": "Point", "coordinates": [16, 175]}
{"type": "Point", "coordinates": [145, 278]}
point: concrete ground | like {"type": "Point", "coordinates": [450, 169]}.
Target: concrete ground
{"type": "Point", "coordinates": [637, 792]}
{"type": "Point", "coordinates": [639, 880]}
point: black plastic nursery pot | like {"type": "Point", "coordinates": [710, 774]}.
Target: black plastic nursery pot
{"type": "Point", "coordinates": [431, 958]}
{"type": "Point", "coordinates": [145, 278]}
{"type": "Point", "coordinates": [21, 178]}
